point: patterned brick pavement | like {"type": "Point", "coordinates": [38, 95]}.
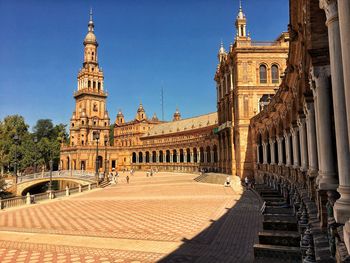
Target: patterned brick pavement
{"type": "Point", "coordinates": [165, 218]}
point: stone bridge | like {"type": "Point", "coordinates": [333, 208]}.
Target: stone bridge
{"type": "Point", "coordinates": [76, 176]}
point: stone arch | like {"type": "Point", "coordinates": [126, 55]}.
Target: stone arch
{"type": "Point", "coordinates": [140, 157]}
{"type": "Point", "coordinates": [182, 159]}
{"type": "Point", "coordinates": [161, 156]}
{"type": "Point", "coordinates": [208, 153]}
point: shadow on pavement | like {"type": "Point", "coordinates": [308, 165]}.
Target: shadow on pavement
{"type": "Point", "coordinates": [228, 239]}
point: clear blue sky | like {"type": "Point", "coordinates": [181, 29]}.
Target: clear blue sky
{"type": "Point", "coordinates": [143, 45]}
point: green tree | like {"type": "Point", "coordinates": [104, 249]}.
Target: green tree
{"type": "Point", "coordinates": [11, 125]}
{"type": "Point", "coordinates": [44, 129]}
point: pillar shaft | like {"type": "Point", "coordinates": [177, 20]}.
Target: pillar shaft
{"type": "Point", "coordinates": [280, 148]}
{"type": "Point", "coordinates": [272, 142]}
{"type": "Point", "coordinates": [295, 142]}
{"type": "Point", "coordinates": [327, 172]}
{"type": "Point", "coordinates": [342, 206]}
{"type": "Point", "coordinates": [288, 148]}
{"type": "Point", "coordinates": [311, 139]}
{"type": "Point", "coordinates": [304, 158]}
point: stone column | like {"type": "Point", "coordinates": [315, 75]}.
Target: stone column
{"type": "Point", "coordinates": [151, 157]}
{"type": "Point", "coordinates": [212, 156]}
{"type": "Point", "coordinates": [198, 157]}
{"type": "Point", "coordinates": [272, 142]}
{"type": "Point", "coordinates": [171, 157]}
{"type": "Point", "coordinates": [164, 157]}
{"type": "Point", "coordinates": [288, 148]}
{"type": "Point", "coordinates": [342, 206]}
{"type": "Point", "coordinates": [185, 157]}
{"type": "Point", "coordinates": [303, 144]}
{"type": "Point", "coordinates": [264, 145]}
{"type": "Point", "coordinates": [157, 157]}
{"type": "Point", "coordinates": [311, 139]}
{"type": "Point", "coordinates": [322, 93]}
{"type": "Point", "coordinates": [191, 157]}
{"type": "Point", "coordinates": [257, 153]}
{"type": "Point", "coordinates": [205, 157]}
{"type": "Point", "coordinates": [295, 142]}
{"type": "Point", "coordinates": [280, 148]}
{"type": "Point", "coordinates": [178, 158]}
{"type": "Point", "coordinates": [344, 24]}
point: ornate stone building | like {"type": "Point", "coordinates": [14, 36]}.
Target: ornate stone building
{"type": "Point", "coordinates": [143, 143]}
{"type": "Point", "coordinates": [247, 76]}
{"type": "Point", "coordinates": [90, 113]}
{"type": "Point", "coordinates": [301, 139]}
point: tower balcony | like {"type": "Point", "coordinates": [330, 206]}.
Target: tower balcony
{"type": "Point", "coordinates": [90, 91]}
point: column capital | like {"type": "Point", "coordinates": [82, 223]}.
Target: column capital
{"type": "Point", "coordinates": [286, 133]}
{"type": "Point", "coordinates": [279, 139]}
{"type": "Point", "coordinates": [272, 140]}
{"type": "Point", "coordinates": [301, 121]}
{"type": "Point", "coordinates": [309, 107]}
{"type": "Point", "coordinates": [294, 129]}
{"type": "Point", "coordinates": [318, 72]}
{"type": "Point", "coordinates": [330, 7]}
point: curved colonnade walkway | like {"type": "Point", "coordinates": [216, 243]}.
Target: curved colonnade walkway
{"type": "Point", "coordinates": [164, 218]}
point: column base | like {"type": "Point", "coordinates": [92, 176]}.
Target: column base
{"type": "Point", "coordinates": [342, 205]}
{"type": "Point", "coordinates": [346, 231]}
{"type": "Point", "coordinates": [312, 172]}
{"type": "Point", "coordinates": [328, 181]}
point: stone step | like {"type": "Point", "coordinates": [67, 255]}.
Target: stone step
{"type": "Point", "coordinates": [278, 210]}
{"type": "Point", "coordinates": [279, 217]}
{"type": "Point", "coordinates": [285, 225]}
{"type": "Point", "coordinates": [273, 198]}
{"type": "Point", "coordinates": [283, 253]}
{"type": "Point", "coordinates": [270, 194]}
{"type": "Point", "coordinates": [279, 238]}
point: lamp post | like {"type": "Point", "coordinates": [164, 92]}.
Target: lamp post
{"type": "Point", "coordinates": [96, 136]}
{"type": "Point", "coordinates": [35, 140]}
{"type": "Point", "coordinates": [106, 161]}
{"type": "Point", "coordinates": [51, 164]}
{"type": "Point", "coordinates": [16, 139]}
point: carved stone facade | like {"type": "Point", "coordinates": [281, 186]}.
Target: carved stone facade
{"type": "Point", "coordinates": [247, 77]}
{"type": "Point", "coordinates": [306, 126]}
{"type": "Point", "coordinates": [143, 143]}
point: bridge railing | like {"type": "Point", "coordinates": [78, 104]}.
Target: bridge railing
{"type": "Point", "coordinates": [63, 173]}
{"type": "Point", "coordinates": [31, 199]}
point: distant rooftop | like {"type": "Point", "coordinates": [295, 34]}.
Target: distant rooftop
{"type": "Point", "coordinates": [183, 125]}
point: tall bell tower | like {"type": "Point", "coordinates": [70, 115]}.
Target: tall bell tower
{"type": "Point", "coordinates": [90, 113]}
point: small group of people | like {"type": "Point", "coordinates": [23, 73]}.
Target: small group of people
{"type": "Point", "coordinates": [113, 176]}
{"type": "Point", "coordinates": [249, 183]}
{"type": "Point", "coordinates": [151, 172]}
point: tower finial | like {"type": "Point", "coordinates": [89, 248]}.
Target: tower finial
{"type": "Point", "coordinates": [90, 13]}
{"type": "Point", "coordinates": [240, 4]}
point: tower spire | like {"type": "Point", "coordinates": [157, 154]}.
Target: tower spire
{"type": "Point", "coordinates": [241, 22]}
{"type": "Point", "coordinates": [91, 22]}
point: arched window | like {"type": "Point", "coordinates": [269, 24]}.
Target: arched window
{"type": "Point", "coordinates": [274, 74]}
{"type": "Point", "coordinates": [263, 74]}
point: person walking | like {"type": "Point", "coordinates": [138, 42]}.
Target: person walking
{"type": "Point", "coordinates": [127, 179]}
{"type": "Point", "coordinates": [246, 181]}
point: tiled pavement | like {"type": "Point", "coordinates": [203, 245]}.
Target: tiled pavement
{"type": "Point", "coordinates": [165, 218]}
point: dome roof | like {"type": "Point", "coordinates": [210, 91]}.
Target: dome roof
{"type": "Point", "coordinates": [90, 38]}
{"type": "Point", "coordinates": [120, 114]}
{"type": "Point", "coordinates": [140, 108]}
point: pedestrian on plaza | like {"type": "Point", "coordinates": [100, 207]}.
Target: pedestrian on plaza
{"type": "Point", "coordinates": [127, 178]}
{"type": "Point", "coordinates": [246, 180]}
{"type": "Point", "coordinates": [253, 183]}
